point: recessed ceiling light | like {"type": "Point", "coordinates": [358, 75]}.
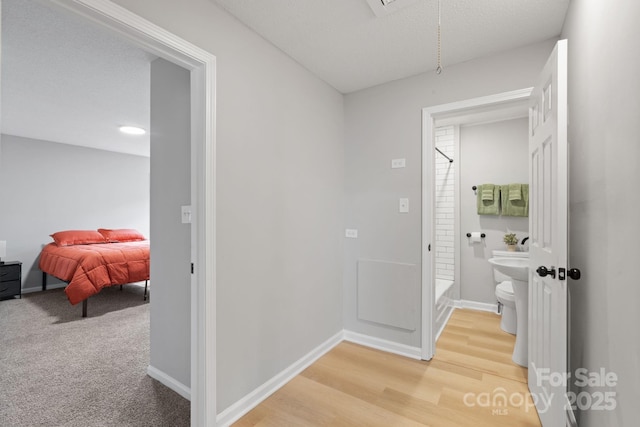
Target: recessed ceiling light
{"type": "Point", "coordinates": [132, 130]}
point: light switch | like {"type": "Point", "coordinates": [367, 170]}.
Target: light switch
{"type": "Point", "coordinates": [186, 214]}
{"type": "Point", "coordinates": [403, 206]}
{"type": "Point", "coordinates": [351, 233]}
{"type": "Point", "coordinates": [398, 163]}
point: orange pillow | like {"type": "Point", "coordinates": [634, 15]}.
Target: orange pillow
{"type": "Point", "coordinates": [121, 235]}
{"type": "Point", "coordinates": [77, 237]}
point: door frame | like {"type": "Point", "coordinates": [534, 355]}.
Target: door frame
{"type": "Point", "coordinates": [429, 117]}
{"type": "Point", "coordinates": [202, 66]}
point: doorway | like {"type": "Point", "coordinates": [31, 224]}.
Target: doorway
{"type": "Point", "coordinates": [202, 68]}
{"type": "Point", "coordinates": [477, 109]}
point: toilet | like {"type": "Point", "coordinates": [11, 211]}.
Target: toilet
{"type": "Point", "coordinates": [504, 292]}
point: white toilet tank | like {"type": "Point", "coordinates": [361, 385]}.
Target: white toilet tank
{"type": "Point", "coordinates": [500, 277]}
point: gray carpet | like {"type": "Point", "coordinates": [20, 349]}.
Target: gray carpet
{"type": "Point", "coordinates": [58, 369]}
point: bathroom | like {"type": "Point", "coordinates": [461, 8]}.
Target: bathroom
{"type": "Point", "coordinates": [486, 148]}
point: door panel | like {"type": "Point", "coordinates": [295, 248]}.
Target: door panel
{"type": "Point", "coordinates": [548, 222]}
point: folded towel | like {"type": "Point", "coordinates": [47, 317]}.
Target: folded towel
{"type": "Point", "coordinates": [515, 192]}
{"type": "Point", "coordinates": [489, 207]}
{"type": "Point", "coordinates": [487, 191]}
{"type": "Point", "coordinates": [515, 207]}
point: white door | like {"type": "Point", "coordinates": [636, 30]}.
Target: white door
{"type": "Point", "coordinates": [548, 173]}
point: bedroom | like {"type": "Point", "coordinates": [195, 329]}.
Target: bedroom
{"type": "Point", "coordinates": [68, 166]}
{"type": "Point", "coordinates": [61, 179]}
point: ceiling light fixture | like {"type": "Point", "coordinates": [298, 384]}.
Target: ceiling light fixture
{"type": "Point", "coordinates": [132, 130]}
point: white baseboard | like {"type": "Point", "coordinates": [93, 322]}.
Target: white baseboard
{"type": "Point", "coordinates": [251, 400]}
{"type": "Point", "coordinates": [234, 412]}
{"type": "Point", "coordinates": [474, 305]}
{"type": "Point", "coordinates": [169, 381]}
{"type": "Point", "coordinates": [450, 312]}
{"type": "Point", "coordinates": [384, 345]}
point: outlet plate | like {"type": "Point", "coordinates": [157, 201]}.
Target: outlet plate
{"type": "Point", "coordinates": [403, 205]}
{"type": "Point", "coordinates": [398, 163]}
{"type": "Point", "coordinates": [185, 214]}
{"type": "Point", "coordinates": [351, 233]}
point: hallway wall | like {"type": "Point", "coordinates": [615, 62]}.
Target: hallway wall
{"type": "Point", "coordinates": [279, 182]}
{"type": "Point", "coordinates": [604, 65]}
{"type": "Point", "coordinates": [170, 126]}
{"type": "Point", "coordinates": [384, 123]}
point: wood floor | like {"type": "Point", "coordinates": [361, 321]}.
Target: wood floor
{"type": "Point", "coordinates": [471, 381]}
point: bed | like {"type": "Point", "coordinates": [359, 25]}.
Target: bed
{"type": "Point", "coordinates": [90, 260]}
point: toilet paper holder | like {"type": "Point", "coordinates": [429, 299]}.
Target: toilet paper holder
{"type": "Point", "coordinates": [481, 235]}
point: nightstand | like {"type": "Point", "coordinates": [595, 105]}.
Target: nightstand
{"type": "Point", "coordinates": [10, 279]}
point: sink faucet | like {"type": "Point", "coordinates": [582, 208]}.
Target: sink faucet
{"type": "Point", "coordinates": [524, 240]}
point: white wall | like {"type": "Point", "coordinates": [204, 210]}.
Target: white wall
{"type": "Point", "coordinates": [494, 153]}
{"type": "Point", "coordinates": [170, 238]}
{"type": "Point", "coordinates": [384, 123]}
{"type": "Point", "coordinates": [47, 187]}
{"type": "Point", "coordinates": [280, 214]}
{"type": "Point", "coordinates": [604, 65]}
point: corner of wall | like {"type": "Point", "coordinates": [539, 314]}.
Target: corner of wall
{"type": "Point", "coordinates": [169, 381]}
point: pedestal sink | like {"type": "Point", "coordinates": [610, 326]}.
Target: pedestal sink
{"type": "Point", "coordinates": [518, 270]}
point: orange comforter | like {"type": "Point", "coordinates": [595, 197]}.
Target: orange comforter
{"type": "Point", "coordinates": [89, 268]}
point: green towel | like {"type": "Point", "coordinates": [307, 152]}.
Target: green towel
{"type": "Point", "coordinates": [487, 191]}
{"type": "Point", "coordinates": [489, 207]}
{"type": "Point", "coordinates": [515, 207]}
{"type": "Point", "coordinates": [515, 192]}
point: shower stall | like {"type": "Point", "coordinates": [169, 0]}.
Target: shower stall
{"type": "Point", "coordinates": [446, 224]}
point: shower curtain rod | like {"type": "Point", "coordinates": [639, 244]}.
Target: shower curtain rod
{"type": "Point", "coordinates": [450, 159]}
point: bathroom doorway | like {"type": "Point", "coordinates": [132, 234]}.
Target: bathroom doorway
{"type": "Point", "coordinates": [439, 287]}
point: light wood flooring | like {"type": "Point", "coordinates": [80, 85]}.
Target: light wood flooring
{"type": "Point", "coordinates": [471, 381]}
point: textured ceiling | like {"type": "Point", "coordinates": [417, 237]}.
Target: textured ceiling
{"type": "Point", "coordinates": [352, 46]}
{"type": "Point", "coordinates": [64, 80]}
{"type": "Point", "coordinates": [67, 81]}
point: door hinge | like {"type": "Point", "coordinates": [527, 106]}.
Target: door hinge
{"type": "Point", "coordinates": [429, 247]}
{"type": "Point", "coordinates": [562, 274]}
{"type": "Point", "coordinates": [191, 268]}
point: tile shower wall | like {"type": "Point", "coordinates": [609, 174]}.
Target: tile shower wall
{"type": "Point", "coordinates": [444, 198]}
